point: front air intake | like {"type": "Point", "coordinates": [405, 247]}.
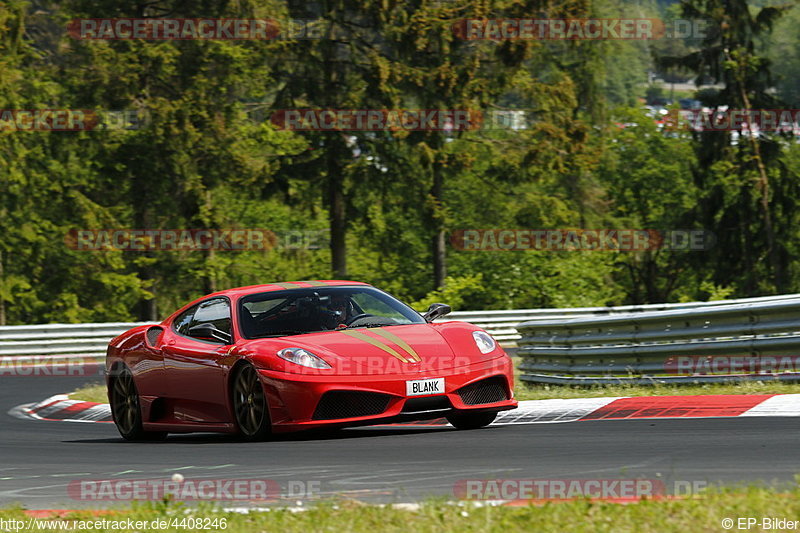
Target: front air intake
{"type": "Point", "coordinates": [488, 390]}
{"type": "Point", "coordinates": [350, 404]}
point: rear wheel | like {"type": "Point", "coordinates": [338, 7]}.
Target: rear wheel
{"type": "Point", "coordinates": [126, 411]}
{"type": "Point", "coordinates": [250, 405]}
{"type": "Point", "coordinates": [471, 420]}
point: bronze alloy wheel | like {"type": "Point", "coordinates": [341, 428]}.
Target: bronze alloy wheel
{"type": "Point", "coordinates": [250, 405]}
{"type": "Point", "coordinates": [126, 411]}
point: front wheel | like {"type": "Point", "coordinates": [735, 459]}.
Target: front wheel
{"type": "Point", "coordinates": [250, 405]}
{"type": "Point", "coordinates": [471, 420]}
{"type": "Point", "coordinates": [126, 411]}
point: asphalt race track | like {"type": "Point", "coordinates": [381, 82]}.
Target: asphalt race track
{"type": "Point", "coordinates": [40, 459]}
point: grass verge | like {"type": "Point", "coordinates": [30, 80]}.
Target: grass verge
{"type": "Point", "coordinates": [91, 392]}
{"type": "Point", "coordinates": [534, 391]}
{"type": "Point", "coordinates": [703, 513]}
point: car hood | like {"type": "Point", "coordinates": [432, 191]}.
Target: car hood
{"type": "Point", "coordinates": [411, 348]}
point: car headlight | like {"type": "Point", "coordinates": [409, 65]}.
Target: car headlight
{"type": "Point", "coordinates": [302, 357]}
{"type": "Point", "coordinates": [484, 341]}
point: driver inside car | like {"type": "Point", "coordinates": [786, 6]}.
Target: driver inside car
{"type": "Point", "coordinates": [339, 311]}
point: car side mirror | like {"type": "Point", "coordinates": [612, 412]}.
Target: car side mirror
{"type": "Point", "coordinates": [209, 331]}
{"type": "Point", "coordinates": [436, 311]}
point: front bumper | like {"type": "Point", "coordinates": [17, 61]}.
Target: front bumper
{"type": "Point", "coordinates": [294, 398]}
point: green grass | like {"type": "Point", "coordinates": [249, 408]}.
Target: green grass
{"type": "Point", "coordinates": [535, 391]}
{"type": "Point", "coordinates": [92, 392]}
{"type": "Point", "coordinates": [701, 514]}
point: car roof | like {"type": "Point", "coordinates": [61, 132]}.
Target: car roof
{"type": "Point", "coordinates": [238, 292]}
{"type": "Point", "coordinates": [283, 285]}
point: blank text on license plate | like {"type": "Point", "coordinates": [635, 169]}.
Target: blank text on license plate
{"type": "Point", "coordinates": [418, 387]}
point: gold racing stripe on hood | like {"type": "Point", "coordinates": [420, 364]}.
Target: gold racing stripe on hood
{"type": "Point", "coordinates": [388, 335]}
{"type": "Point", "coordinates": [287, 285]}
{"type": "Point", "coordinates": [375, 342]}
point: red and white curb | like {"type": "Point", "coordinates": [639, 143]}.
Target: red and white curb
{"type": "Point", "coordinates": [699, 406]}
{"type": "Point", "coordinates": [61, 408]}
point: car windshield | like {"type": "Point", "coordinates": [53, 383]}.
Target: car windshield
{"type": "Point", "coordinates": [298, 311]}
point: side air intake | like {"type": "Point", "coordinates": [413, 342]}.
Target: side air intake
{"type": "Point", "coordinates": [153, 334]}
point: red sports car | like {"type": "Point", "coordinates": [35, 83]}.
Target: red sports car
{"type": "Point", "coordinates": [301, 355]}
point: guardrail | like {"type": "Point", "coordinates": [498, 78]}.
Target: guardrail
{"type": "Point", "coordinates": [60, 341]}
{"type": "Point", "coordinates": [66, 341]}
{"type": "Point", "coordinates": [90, 340]}
{"type": "Point", "coordinates": [503, 324]}
{"type": "Point", "coordinates": [743, 339]}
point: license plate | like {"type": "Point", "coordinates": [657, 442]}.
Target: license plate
{"type": "Point", "coordinates": [419, 387]}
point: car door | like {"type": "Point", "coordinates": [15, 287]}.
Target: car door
{"type": "Point", "coordinates": [195, 366]}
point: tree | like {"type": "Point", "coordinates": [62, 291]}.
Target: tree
{"type": "Point", "coordinates": [198, 141]}
{"type": "Point", "coordinates": [742, 207]}
{"type": "Point", "coordinates": [647, 175]}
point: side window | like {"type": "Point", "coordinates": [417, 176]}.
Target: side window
{"type": "Point", "coordinates": [216, 312]}
{"type": "Point", "coordinates": [184, 321]}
